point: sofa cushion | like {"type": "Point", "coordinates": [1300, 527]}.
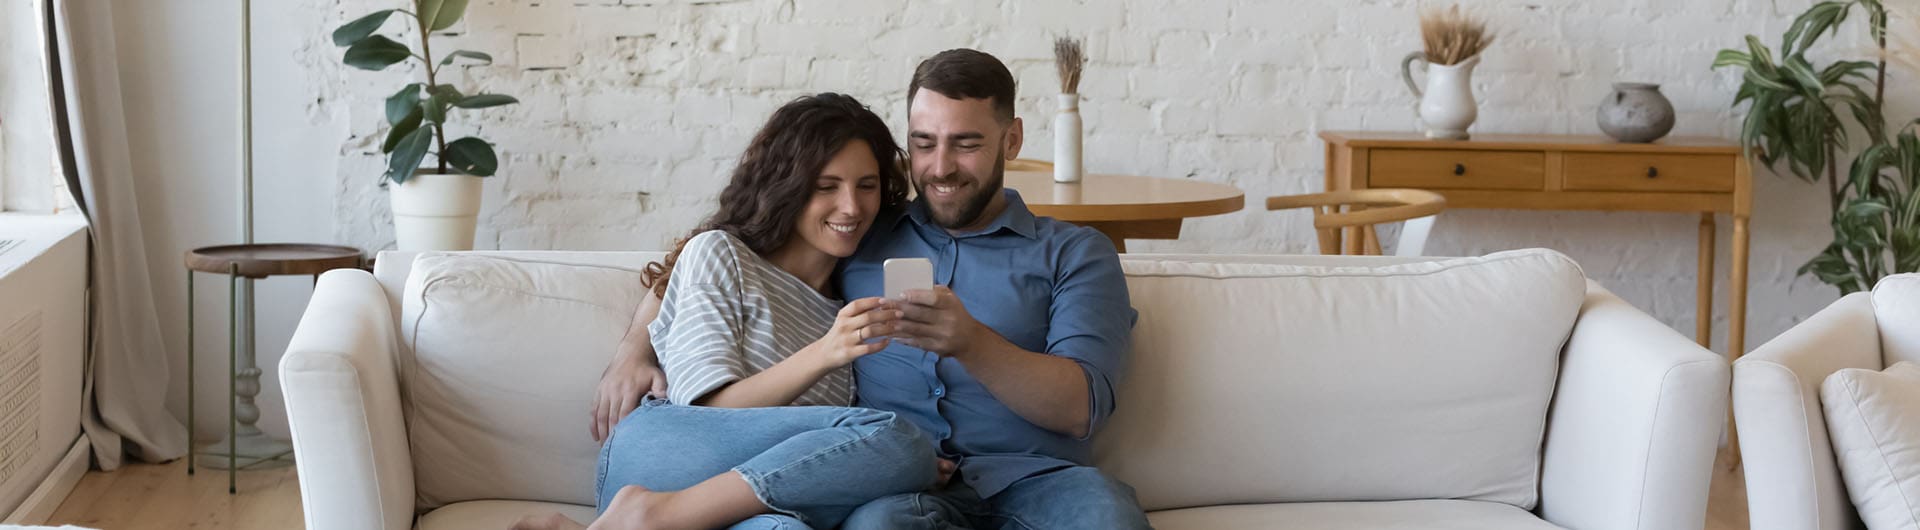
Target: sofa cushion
{"type": "Point", "coordinates": [1896, 307]}
{"type": "Point", "coordinates": [1263, 383]}
{"type": "Point", "coordinates": [1873, 419]}
{"type": "Point", "coordinates": [496, 514]}
{"type": "Point", "coordinates": [501, 356]}
{"type": "Point", "coordinates": [1408, 515]}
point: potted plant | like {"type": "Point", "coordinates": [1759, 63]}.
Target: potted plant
{"type": "Point", "coordinates": [1797, 121]}
{"type": "Point", "coordinates": [434, 207]}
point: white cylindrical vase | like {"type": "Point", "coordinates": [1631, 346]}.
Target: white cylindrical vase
{"type": "Point", "coordinates": [434, 211]}
{"type": "Point", "coordinates": [1066, 140]}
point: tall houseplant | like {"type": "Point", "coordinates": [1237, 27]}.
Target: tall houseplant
{"type": "Point", "coordinates": [434, 208]}
{"type": "Point", "coordinates": [1798, 121]}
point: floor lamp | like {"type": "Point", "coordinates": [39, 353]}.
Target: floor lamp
{"type": "Point", "coordinates": [254, 448]}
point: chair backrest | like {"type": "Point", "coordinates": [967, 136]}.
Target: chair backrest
{"type": "Point", "coordinates": [1356, 212]}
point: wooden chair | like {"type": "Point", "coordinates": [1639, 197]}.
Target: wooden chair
{"type": "Point", "coordinates": [1357, 211]}
{"type": "Point", "coordinates": [1028, 164]}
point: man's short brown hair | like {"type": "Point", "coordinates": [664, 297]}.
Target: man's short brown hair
{"type": "Point", "coordinates": [966, 74]}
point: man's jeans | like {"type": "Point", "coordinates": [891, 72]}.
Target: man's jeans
{"type": "Point", "coordinates": [812, 464]}
{"type": "Point", "coordinates": [1073, 497]}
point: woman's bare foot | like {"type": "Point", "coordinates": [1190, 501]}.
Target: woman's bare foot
{"type": "Point", "coordinates": [552, 521]}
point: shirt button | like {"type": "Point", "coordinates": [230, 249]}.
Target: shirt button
{"type": "Point", "coordinates": [937, 392]}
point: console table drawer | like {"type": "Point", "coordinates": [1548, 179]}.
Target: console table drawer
{"type": "Point", "coordinates": [1457, 169]}
{"type": "Point", "coordinates": [1649, 172]}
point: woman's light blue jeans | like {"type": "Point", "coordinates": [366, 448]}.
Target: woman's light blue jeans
{"type": "Point", "coordinates": [811, 465]}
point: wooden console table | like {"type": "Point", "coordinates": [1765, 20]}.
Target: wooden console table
{"type": "Point", "coordinates": [1559, 172]}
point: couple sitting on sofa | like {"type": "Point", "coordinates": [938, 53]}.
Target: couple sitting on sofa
{"type": "Point", "coordinates": [978, 399]}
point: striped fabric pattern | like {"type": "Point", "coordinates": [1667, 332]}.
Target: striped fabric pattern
{"type": "Point", "coordinates": [729, 313]}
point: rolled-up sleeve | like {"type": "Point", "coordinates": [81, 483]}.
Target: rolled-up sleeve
{"type": "Point", "coordinates": [1091, 319]}
{"type": "Point", "coordinates": [700, 329]}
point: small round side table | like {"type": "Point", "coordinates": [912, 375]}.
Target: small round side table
{"type": "Point", "coordinates": [252, 262]}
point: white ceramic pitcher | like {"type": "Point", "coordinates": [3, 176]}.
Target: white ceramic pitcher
{"type": "Point", "coordinates": [1446, 106]}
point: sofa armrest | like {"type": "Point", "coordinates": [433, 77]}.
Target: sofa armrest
{"type": "Point", "coordinates": [344, 408]}
{"type": "Point", "coordinates": [1792, 478]}
{"type": "Point", "coordinates": [1635, 421]}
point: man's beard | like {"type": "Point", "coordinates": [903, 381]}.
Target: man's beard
{"type": "Point", "coordinates": [969, 212]}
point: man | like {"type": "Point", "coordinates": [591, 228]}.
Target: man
{"type": "Point", "coordinates": [1011, 364]}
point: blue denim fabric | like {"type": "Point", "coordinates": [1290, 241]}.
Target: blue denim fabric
{"type": "Point", "coordinates": [1066, 498]}
{"type": "Point", "coordinates": [814, 464]}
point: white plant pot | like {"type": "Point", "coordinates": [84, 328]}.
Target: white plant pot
{"type": "Point", "coordinates": [432, 211]}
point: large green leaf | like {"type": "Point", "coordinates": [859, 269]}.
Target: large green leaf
{"type": "Point", "coordinates": [1762, 57]}
{"type": "Point", "coordinates": [426, 10]}
{"type": "Point", "coordinates": [1802, 74]}
{"type": "Point", "coordinates": [448, 14]}
{"type": "Point", "coordinates": [439, 99]}
{"type": "Point", "coordinates": [403, 103]}
{"type": "Point", "coordinates": [1831, 267]}
{"type": "Point", "coordinates": [472, 156]}
{"type": "Point", "coordinates": [470, 54]}
{"type": "Point", "coordinates": [1754, 76]}
{"type": "Point", "coordinates": [436, 15]}
{"type": "Point", "coordinates": [360, 28]}
{"type": "Point", "coordinates": [376, 53]}
{"type": "Point", "coordinates": [1821, 18]}
{"type": "Point", "coordinates": [399, 130]}
{"type": "Point", "coordinates": [408, 153]}
{"type": "Point", "coordinates": [481, 101]}
{"type": "Point", "coordinates": [1732, 58]}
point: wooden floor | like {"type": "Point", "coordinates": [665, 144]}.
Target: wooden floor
{"type": "Point", "coordinates": [163, 496]}
{"type": "Point", "coordinates": [141, 496]}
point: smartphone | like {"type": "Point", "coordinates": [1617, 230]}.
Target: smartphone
{"type": "Point", "coordinates": [906, 274]}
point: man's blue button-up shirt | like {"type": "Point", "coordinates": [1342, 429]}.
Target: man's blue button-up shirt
{"type": "Point", "coordinates": [1046, 286]}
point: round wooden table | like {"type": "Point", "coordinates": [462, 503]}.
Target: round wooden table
{"type": "Point", "coordinates": [1125, 206]}
{"type": "Point", "coordinates": [246, 446]}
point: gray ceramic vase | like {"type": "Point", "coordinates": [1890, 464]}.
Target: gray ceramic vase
{"type": "Point", "coordinates": [1636, 113]}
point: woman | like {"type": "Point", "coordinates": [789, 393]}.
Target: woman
{"type": "Point", "coordinates": [748, 325]}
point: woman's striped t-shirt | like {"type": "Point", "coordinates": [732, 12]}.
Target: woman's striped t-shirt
{"type": "Point", "coordinates": [729, 313]}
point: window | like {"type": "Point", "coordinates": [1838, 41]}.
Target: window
{"type": "Point", "coordinates": [30, 177]}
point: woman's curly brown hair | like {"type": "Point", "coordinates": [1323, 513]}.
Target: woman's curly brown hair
{"type": "Point", "coordinates": [776, 175]}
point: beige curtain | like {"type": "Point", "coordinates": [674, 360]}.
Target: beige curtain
{"type": "Point", "coordinates": [127, 376]}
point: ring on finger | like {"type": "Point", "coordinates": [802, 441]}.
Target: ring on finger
{"type": "Point", "coordinates": [863, 334]}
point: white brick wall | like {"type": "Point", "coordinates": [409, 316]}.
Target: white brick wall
{"type": "Point", "coordinates": [634, 109]}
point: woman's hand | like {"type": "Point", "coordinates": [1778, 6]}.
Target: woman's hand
{"type": "Point", "coordinates": [860, 329]}
{"type": "Point", "coordinates": [621, 387]}
{"type": "Point", "coordinates": [634, 371]}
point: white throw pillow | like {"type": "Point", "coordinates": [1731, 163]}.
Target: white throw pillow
{"type": "Point", "coordinates": [1260, 383]}
{"type": "Point", "coordinates": [504, 354]}
{"type": "Point", "coordinates": [1874, 421]}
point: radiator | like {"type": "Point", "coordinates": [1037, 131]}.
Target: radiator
{"type": "Point", "coordinates": [43, 290]}
{"type": "Point", "coordinates": [20, 382]}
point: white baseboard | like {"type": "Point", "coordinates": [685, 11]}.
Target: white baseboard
{"type": "Point", "coordinates": [45, 499]}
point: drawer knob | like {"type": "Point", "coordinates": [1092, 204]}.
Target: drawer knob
{"type": "Point", "coordinates": [1653, 172]}
{"type": "Point", "coordinates": [1459, 169]}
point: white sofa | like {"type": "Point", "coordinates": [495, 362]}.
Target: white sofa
{"type": "Point", "coordinates": [1265, 391]}
{"type": "Point", "coordinates": [1793, 479]}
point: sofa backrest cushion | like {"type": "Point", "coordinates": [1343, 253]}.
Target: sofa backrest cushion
{"type": "Point", "coordinates": [498, 367]}
{"type": "Point", "coordinates": [1262, 383]}
{"type": "Point", "coordinates": [1896, 307]}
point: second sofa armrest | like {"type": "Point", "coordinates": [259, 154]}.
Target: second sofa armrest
{"type": "Point", "coordinates": [1634, 425]}
{"type": "Point", "coordinates": [344, 408]}
{"type": "Point", "coordinates": [1792, 479]}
